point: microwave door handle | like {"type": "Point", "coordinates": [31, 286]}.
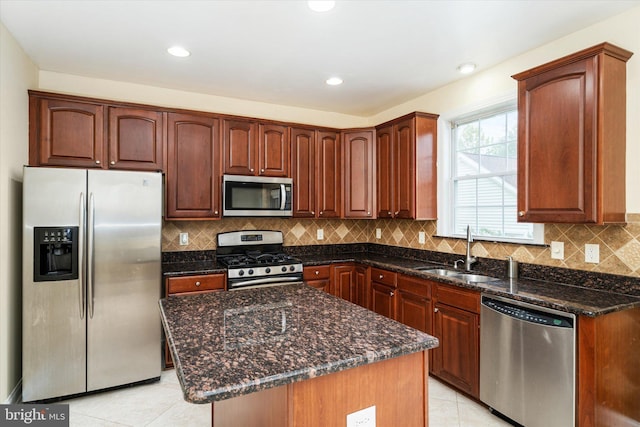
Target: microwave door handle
{"type": "Point", "coordinates": [283, 197]}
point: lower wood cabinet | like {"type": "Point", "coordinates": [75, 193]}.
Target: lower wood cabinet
{"type": "Point", "coordinates": [344, 283]}
{"type": "Point", "coordinates": [383, 290]}
{"type": "Point", "coordinates": [456, 324]}
{"type": "Point", "coordinates": [413, 303]}
{"type": "Point", "coordinates": [319, 277]}
{"type": "Point", "coordinates": [185, 285]}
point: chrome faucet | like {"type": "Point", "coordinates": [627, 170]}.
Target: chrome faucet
{"type": "Point", "coordinates": [469, 260]}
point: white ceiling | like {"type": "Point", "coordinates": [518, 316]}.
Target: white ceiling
{"type": "Point", "coordinates": [280, 52]}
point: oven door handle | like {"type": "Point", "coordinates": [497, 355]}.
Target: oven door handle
{"type": "Point", "coordinates": [264, 281]}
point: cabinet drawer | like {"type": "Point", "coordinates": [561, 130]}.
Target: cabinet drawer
{"type": "Point", "coordinates": [316, 272]}
{"type": "Point", "coordinates": [414, 285]}
{"type": "Point", "coordinates": [178, 285]}
{"type": "Point", "coordinates": [383, 276]}
{"type": "Point", "coordinates": [457, 297]}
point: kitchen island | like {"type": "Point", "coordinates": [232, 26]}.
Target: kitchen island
{"type": "Point", "coordinates": [292, 355]}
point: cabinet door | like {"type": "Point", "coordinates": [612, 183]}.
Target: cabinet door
{"type": "Point", "coordinates": [361, 278]}
{"type": "Point", "coordinates": [383, 299]}
{"type": "Point", "coordinates": [457, 359]}
{"type": "Point", "coordinates": [239, 147]}
{"type": "Point", "coordinates": [323, 285]}
{"type": "Point", "coordinates": [193, 172]}
{"type": "Point", "coordinates": [404, 172]}
{"type": "Point", "coordinates": [67, 134]}
{"type": "Point", "coordinates": [384, 170]}
{"type": "Point", "coordinates": [557, 165]}
{"type": "Point", "coordinates": [303, 165]}
{"type": "Point", "coordinates": [319, 277]}
{"type": "Point", "coordinates": [135, 139]}
{"type": "Point", "coordinates": [273, 150]}
{"type": "Point", "coordinates": [344, 284]}
{"type": "Point", "coordinates": [328, 175]}
{"type": "Point", "coordinates": [358, 174]}
{"type": "Point", "coordinates": [415, 311]}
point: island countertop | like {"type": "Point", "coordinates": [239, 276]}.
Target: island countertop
{"type": "Point", "coordinates": [227, 344]}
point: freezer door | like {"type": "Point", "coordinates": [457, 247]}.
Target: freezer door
{"type": "Point", "coordinates": [123, 255]}
{"type": "Point", "coordinates": [53, 327]}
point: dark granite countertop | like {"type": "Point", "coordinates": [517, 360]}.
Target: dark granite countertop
{"type": "Point", "coordinates": [226, 344]}
{"type": "Point", "coordinates": [190, 268]}
{"type": "Point", "coordinates": [561, 296]}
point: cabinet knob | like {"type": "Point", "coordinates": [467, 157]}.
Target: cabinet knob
{"type": "Point", "coordinates": [197, 283]}
{"type": "Point", "coordinates": [313, 212]}
{"type": "Point", "coordinates": [97, 162]}
{"type": "Point", "coordinates": [397, 213]}
{"type": "Point", "coordinates": [261, 170]}
{"type": "Point", "coordinates": [435, 310]}
{"type": "Point", "coordinates": [251, 169]}
{"type": "Point", "coordinates": [317, 272]}
{"type": "Point", "coordinates": [321, 212]}
{"type": "Point", "coordinates": [381, 276]}
{"type": "Point", "coordinates": [389, 213]}
{"type": "Point", "coordinates": [391, 293]}
{"type": "Point", "coordinates": [113, 162]}
{"type": "Point", "coordinates": [521, 213]}
{"type": "Point", "coordinates": [215, 212]}
{"type": "Point", "coordinates": [369, 213]}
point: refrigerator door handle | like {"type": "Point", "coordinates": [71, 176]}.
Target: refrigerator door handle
{"type": "Point", "coordinates": [90, 231]}
{"type": "Point", "coordinates": [82, 283]}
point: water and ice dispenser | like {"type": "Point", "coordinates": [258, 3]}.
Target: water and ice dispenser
{"type": "Point", "coordinates": [55, 253]}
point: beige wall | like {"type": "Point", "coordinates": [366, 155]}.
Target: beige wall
{"type": "Point", "coordinates": [17, 74]}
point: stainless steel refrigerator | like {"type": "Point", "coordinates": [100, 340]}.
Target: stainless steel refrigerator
{"type": "Point", "coordinates": [91, 280]}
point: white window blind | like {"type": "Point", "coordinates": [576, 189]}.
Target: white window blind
{"type": "Point", "coordinates": [483, 176]}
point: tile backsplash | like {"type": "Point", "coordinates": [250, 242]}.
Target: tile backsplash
{"type": "Point", "coordinates": [619, 244]}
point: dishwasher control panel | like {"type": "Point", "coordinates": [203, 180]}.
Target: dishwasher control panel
{"type": "Point", "coordinates": [528, 314]}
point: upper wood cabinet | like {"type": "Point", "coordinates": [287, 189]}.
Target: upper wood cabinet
{"type": "Point", "coordinates": [358, 173]}
{"type": "Point", "coordinates": [328, 180]}
{"type": "Point", "coordinates": [406, 167]}
{"type": "Point", "coordinates": [69, 131]}
{"type": "Point", "coordinates": [273, 150]}
{"type": "Point", "coordinates": [63, 132]}
{"type": "Point", "coordinates": [239, 139]}
{"type": "Point", "coordinates": [303, 171]}
{"type": "Point", "coordinates": [255, 148]}
{"type": "Point", "coordinates": [135, 139]}
{"type": "Point", "coordinates": [193, 170]}
{"type": "Point", "coordinates": [571, 138]}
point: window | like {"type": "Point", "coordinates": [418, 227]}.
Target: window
{"type": "Point", "coordinates": [483, 177]}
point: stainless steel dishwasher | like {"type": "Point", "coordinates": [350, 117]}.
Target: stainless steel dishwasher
{"type": "Point", "coordinates": [527, 362]}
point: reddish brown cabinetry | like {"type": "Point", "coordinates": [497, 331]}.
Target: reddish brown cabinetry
{"type": "Point", "coordinates": [193, 171]}
{"type": "Point", "coordinates": [456, 324]}
{"type": "Point", "coordinates": [185, 285]}
{"type": "Point", "coordinates": [319, 277]}
{"type": "Point", "coordinates": [255, 148]}
{"type": "Point", "coordinates": [329, 182]}
{"type": "Point", "coordinates": [382, 293]}
{"type": "Point", "coordinates": [414, 307]}
{"type": "Point", "coordinates": [76, 132]}
{"type": "Point", "coordinates": [407, 167]}
{"type": "Point", "coordinates": [344, 283]}
{"type": "Point", "coordinates": [303, 171]}
{"type": "Point", "coordinates": [571, 138]}
{"type": "Point", "coordinates": [358, 173]}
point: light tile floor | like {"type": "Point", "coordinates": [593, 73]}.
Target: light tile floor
{"type": "Point", "coordinates": [161, 404]}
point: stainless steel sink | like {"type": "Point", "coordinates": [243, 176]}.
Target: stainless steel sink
{"type": "Point", "coordinates": [467, 277]}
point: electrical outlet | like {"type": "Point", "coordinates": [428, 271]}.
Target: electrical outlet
{"type": "Point", "coordinates": [363, 418]}
{"type": "Point", "coordinates": [421, 237]}
{"type": "Point", "coordinates": [184, 239]}
{"type": "Point", "coordinates": [557, 250]}
{"type": "Point", "coordinates": [592, 253]}
{"type": "Point", "coordinates": [378, 233]}
{"type": "Point", "coordinates": [320, 234]}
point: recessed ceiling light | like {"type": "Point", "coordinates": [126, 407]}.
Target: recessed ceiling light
{"type": "Point", "coordinates": [178, 51]}
{"type": "Point", "coordinates": [466, 68]}
{"type": "Point", "coordinates": [334, 81]}
{"type": "Point", "coordinates": [321, 5]}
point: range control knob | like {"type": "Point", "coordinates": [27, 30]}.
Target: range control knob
{"type": "Point", "coordinates": [292, 268]}
{"type": "Point", "coordinates": [251, 271]}
{"type": "Point", "coordinates": [284, 269]}
{"type": "Point", "coordinates": [241, 273]}
{"type": "Point", "coordinates": [267, 270]}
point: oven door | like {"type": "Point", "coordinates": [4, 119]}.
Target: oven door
{"type": "Point", "coordinates": [256, 196]}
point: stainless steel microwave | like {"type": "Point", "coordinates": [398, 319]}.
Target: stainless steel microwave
{"type": "Point", "coordinates": [256, 196]}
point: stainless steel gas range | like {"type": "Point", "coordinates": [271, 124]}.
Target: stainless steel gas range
{"type": "Point", "coordinates": [255, 258]}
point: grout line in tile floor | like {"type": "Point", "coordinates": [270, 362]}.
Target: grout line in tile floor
{"type": "Point", "coordinates": [161, 404]}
